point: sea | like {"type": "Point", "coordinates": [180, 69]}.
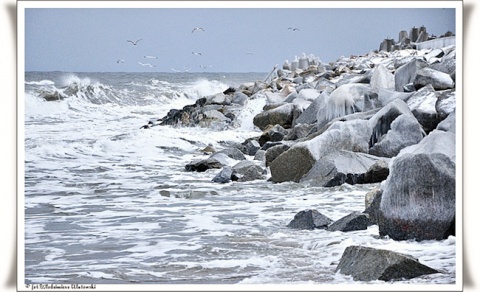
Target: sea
{"type": "Point", "coordinates": [106, 202]}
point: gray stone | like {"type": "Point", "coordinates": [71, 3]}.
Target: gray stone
{"type": "Point", "coordinates": [435, 142]}
{"type": "Point", "coordinates": [205, 164]}
{"type": "Point", "coordinates": [423, 106]}
{"type": "Point", "coordinates": [418, 200]}
{"type": "Point", "coordinates": [239, 98]}
{"type": "Point", "coordinates": [252, 147]}
{"type": "Point", "coordinates": [274, 152]}
{"type": "Point", "coordinates": [372, 205]}
{"type": "Point", "coordinates": [369, 264]}
{"type": "Point", "coordinates": [291, 165]}
{"type": "Point", "coordinates": [272, 134]}
{"type": "Point", "coordinates": [382, 120]}
{"type": "Point", "coordinates": [224, 176]}
{"type": "Point", "coordinates": [448, 124]}
{"type": "Point", "coordinates": [309, 116]}
{"type": "Point", "coordinates": [219, 98]}
{"type": "Point", "coordinates": [299, 131]}
{"type": "Point", "coordinates": [282, 115]}
{"type": "Point", "coordinates": [309, 220]}
{"type": "Point", "coordinates": [382, 78]}
{"type": "Point", "coordinates": [404, 131]}
{"type": "Point", "coordinates": [377, 172]}
{"type": "Point", "coordinates": [446, 103]}
{"type": "Point", "coordinates": [233, 153]}
{"type": "Point", "coordinates": [247, 171]}
{"type": "Point", "coordinates": [405, 74]}
{"type": "Point", "coordinates": [345, 100]}
{"type": "Point", "coordinates": [386, 96]}
{"type": "Point", "coordinates": [352, 222]}
{"type": "Point", "coordinates": [260, 156]}
{"type": "Point", "coordinates": [439, 80]}
{"type": "Point", "coordinates": [340, 167]}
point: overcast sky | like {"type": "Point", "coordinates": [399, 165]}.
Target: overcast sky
{"type": "Point", "coordinates": [233, 40]}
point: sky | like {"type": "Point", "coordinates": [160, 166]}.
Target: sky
{"type": "Point", "coordinates": [233, 39]}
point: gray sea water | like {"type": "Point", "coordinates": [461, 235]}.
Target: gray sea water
{"type": "Point", "coordinates": [108, 203]}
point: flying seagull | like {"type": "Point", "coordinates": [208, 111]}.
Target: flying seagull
{"type": "Point", "coordinates": [205, 67]}
{"type": "Point", "coordinates": [147, 64]}
{"type": "Point", "coordinates": [150, 57]}
{"type": "Point", "coordinates": [293, 28]}
{"type": "Point", "coordinates": [249, 53]}
{"type": "Point", "coordinates": [197, 28]}
{"type": "Point", "coordinates": [195, 53]}
{"type": "Point", "coordinates": [175, 70]}
{"type": "Point", "coordinates": [134, 42]}
{"type": "Point", "coordinates": [120, 61]}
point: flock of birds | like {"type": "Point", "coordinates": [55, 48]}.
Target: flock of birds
{"type": "Point", "coordinates": [135, 43]}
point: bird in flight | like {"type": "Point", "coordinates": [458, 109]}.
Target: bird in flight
{"type": "Point", "coordinates": [197, 28]}
{"type": "Point", "coordinates": [120, 61]}
{"type": "Point", "coordinates": [147, 64]}
{"type": "Point", "coordinates": [150, 57]}
{"type": "Point", "coordinates": [249, 53]}
{"type": "Point", "coordinates": [134, 42]}
{"type": "Point", "coordinates": [197, 53]}
{"type": "Point", "coordinates": [205, 67]}
{"type": "Point", "coordinates": [293, 28]}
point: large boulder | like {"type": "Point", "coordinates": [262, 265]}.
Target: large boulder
{"type": "Point", "coordinates": [309, 115]}
{"type": "Point", "coordinates": [439, 80]}
{"type": "Point", "coordinates": [385, 96]}
{"type": "Point", "coordinates": [406, 73]}
{"type": "Point", "coordinates": [273, 152]}
{"type": "Point", "coordinates": [345, 100]}
{"type": "Point", "coordinates": [382, 78]}
{"type": "Point", "coordinates": [423, 106]}
{"type": "Point", "coordinates": [446, 103]}
{"type": "Point", "coordinates": [282, 115]}
{"type": "Point", "coordinates": [341, 167]}
{"type": "Point", "coordinates": [294, 163]}
{"type": "Point", "coordinates": [381, 122]}
{"type": "Point", "coordinates": [436, 141]}
{"type": "Point", "coordinates": [370, 264]}
{"type": "Point", "coordinates": [448, 124]}
{"type": "Point", "coordinates": [418, 200]}
{"type": "Point", "coordinates": [404, 131]}
{"type": "Point", "coordinates": [309, 220]}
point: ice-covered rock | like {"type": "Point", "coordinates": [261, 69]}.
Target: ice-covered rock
{"type": "Point", "coordinates": [418, 200]}
{"type": "Point", "coordinates": [382, 78]}
{"type": "Point", "coordinates": [405, 74]}
{"type": "Point", "coordinates": [404, 131]}
{"type": "Point", "coordinates": [428, 76]}
{"type": "Point", "coordinates": [423, 106]}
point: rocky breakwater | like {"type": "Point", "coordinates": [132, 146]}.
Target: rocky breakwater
{"type": "Point", "coordinates": [384, 117]}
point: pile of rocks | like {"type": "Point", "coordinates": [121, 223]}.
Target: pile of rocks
{"type": "Point", "coordinates": [382, 117]}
